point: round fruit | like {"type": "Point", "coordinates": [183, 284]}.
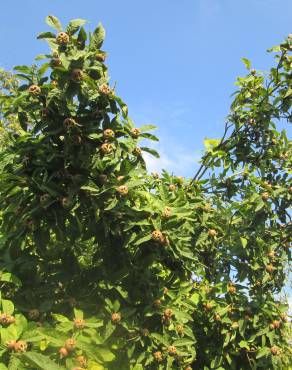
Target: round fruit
{"type": "Point", "coordinates": [145, 332]}
{"type": "Point", "coordinates": [79, 323]}
{"type": "Point", "coordinates": [157, 303]}
{"type": "Point", "coordinates": [137, 151]}
{"type": "Point", "coordinates": [217, 317]}
{"type": "Point", "coordinates": [81, 360]}
{"type": "Point", "coordinates": [271, 254]}
{"type": "Point", "coordinates": [20, 346]}
{"type": "Point", "coordinates": [158, 356]}
{"type": "Point", "coordinates": [54, 83]}
{"type": "Point", "coordinates": [265, 195]}
{"type": "Point", "coordinates": [172, 187]}
{"type": "Point", "coordinates": [157, 236]}
{"type": "Point", "coordinates": [106, 148]}
{"type": "Point", "coordinates": [253, 71]}
{"type": "Point", "coordinates": [234, 325]}
{"type": "Point", "coordinates": [232, 289]}
{"type": "Point", "coordinates": [62, 38]}
{"type": "Point", "coordinates": [104, 89]}
{"type": "Point", "coordinates": [100, 57]}
{"type": "Point", "coordinates": [269, 268]}
{"type": "Point", "coordinates": [68, 123]}
{"type": "Point", "coordinates": [33, 314]}
{"type": "Point", "coordinates": [108, 134]}
{"type": "Point", "coordinates": [172, 351]}
{"type": "Point", "coordinates": [283, 316]}
{"type": "Point", "coordinates": [155, 175]}
{"type": "Point", "coordinates": [276, 324]}
{"type": "Point", "coordinates": [208, 306]}
{"type": "Point", "coordinates": [251, 121]}
{"type": "Point", "coordinates": [11, 344]}
{"type": "Point", "coordinates": [165, 290]}
{"type": "Point", "coordinates": [120, 178]}
{"type": "Point", "coordinates": [168, 312]}
{"type": "Point", "coordinates": [102, 179]}
{"type": "Point", "coordinates": [135, 132]}
{"type": "Point", "coordinates": [123, 190]}
{"type": "Point", "coordinates": [274, 351]}
{"type": "Point", "coordinates": [180, 179]}
{"type": "Point", "coordinates": [166, 212]}
{"type": "Point", "coordinates": [180, 329]}
{"type": "Point", "coordinates": [63, 352]}
{"type": "Point", "coordinates": [212, 233]}
{"type": "Point", "coordinates": [116, 317]}
{"type": "Point", "coordinates": [70, 344]}
{"type": "Point", "coordinates": [77, 75]}
{"type": "Point", "coordinates": [56, 62]}
{"type": "Point", "coordinates": [72, 302]}
{"type": "Point", "coordinates": [34, 90]}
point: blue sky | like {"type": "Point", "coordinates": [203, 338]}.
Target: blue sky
{"type": "Point", "coordinates": [175, 62]}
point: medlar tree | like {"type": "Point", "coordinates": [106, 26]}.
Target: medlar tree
{"type": "Point", "coordinates": [107, 267]}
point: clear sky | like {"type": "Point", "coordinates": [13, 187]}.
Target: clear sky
{"type": "Point", "coordinates": [175, 61]}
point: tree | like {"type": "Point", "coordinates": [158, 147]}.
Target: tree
{"type": "Point", "coordinates": [108, 267]}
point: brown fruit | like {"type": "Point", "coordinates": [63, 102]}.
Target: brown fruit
{"type": "Point", "coordinates": [269, 268]}
{"type": "Point", "coordinates": [271, 326]}
{"type": "Point", "coordinates": [34, 90]}
{"type": "Point", "coordinates": [172, 187]}
{"type": "Point", "coordinates": [168, 312]}
{"type": "Point", "coordinates": [11, 344]}
{"type": "Point", "coordinates": [157, 236]}
{"type": "Point", "coordinates": [20, 346]}
{"type": "Point", "coordinates": [106, 148]}
{"type": "Point", "coordinates": [104, 89]}
{"type": "Point", "coordinates": [100, 57]}
{"type": "Point", "coordinates": [108, 134]}
{"type": "Point", "coordinates": [276, 324]}
{"type": "Point", "coordinates": [79, 323]}
{"type": "Point", "coordinates": [217, 317]}
{"type": "Point", "coordinates": [165, 290]}
{"type": "Point", "coordinates": [166, 212]}
{"type": "Point", "coordinates": [290, 189]}
{"type": "Point", "coordinates": [232, 289]}
{"type": "Point", "coordinates": [63, 352]}
{"type": "Point", "coordinates": [274, 351]}
{"type": "Point", "coordinates": [145, 332]}
{"type": "Point", "coordinates": [123, 190]}
{"type": "Point", "coordinates": [188, 368]}
{"type": "Point", "coordinates": [54, 83]}
{"type": "Point", "coordinates": [76, 140]}
{"type": "Point", "coordinates": [208, 306]}
{"type": "Point", "coordinates": [212, 233]}
{"type": "Point", "coordinates": [172, 351]}
{"type": "Point", "coordinates": [70, 344]}
{"type": "Point", "coordinates": [116, 317]}
{"type": "Point", "coordinates": [157, 303]}
{"type": "Point", "coordinates": [253, 71]}
{"type": "Point", "coordinates": [62, 38]}
{"type": "Point", "coordinates": [155, 175]}
{"type": "Point", "coordinates": [265, 195]}
{"type": "Point", "coordinates": [120, 178]}
{"type": "Point", "coordinates": [271, 254]}
{"type": "Point", "coordinates": [81, 360]}
{"type": "Point", "coordinates": [33, 314]}
{"type": "Point", "coordinates": [137, 151]}
{"type": "Point", "coordinates": [6, 319]}
{"type": "Point", "coordinates": [77, 75]}
{"type": "Point", "coordinates": [135, 132]}
{"type": "Point", "coordinates": [102, 179]}
{"type": "Point", "coordinates": [234, 325]}
{"type": "Point", "coordinates": [283, 316]}
{"type": "Point", "coordinates": [180, 329]}
{"type": "Point", "coordinates": [158, 356]}
{"type": "Point", "coordinates": [251, 121]}
{"type": "Point", "coordinates": [68, 123]}
{"type": "Point", "coordinates": [56, 62]}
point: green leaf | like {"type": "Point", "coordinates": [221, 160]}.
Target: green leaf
{"type": "Point", "coordinates": [46, 35]}
{"type": "Point", "coordinates": [7, 306]}
{"type": "Point", "coordinates": [97, 37]}
{"type": "Point", "coordinates": [54, 22]}
{"type": "Point", "coordinates": [60, 318]}
{"type": "Point", "coordinates": [264, 351]}
{"type": "Point", "coordinates": [246, 62]}
{"type": "Point", "coordinates": [243, 242]}
{"type": "Point", "coordinates": [150, 151]}
{"type": "Point", "coordinates": [74, 25]}
{"type": "Point", "coordinates": [10, 278]}
{"type": "Point", "coordinates": [40, 361]}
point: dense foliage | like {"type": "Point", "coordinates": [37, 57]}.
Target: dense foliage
{"type": "Point", "coordinates": [107, 267]}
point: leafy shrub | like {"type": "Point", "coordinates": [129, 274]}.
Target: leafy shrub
{"type": "Point", "coordinates": [108, 267]}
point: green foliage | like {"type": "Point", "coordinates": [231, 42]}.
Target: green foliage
{"type": "Point", "coordinates": [97, 255]}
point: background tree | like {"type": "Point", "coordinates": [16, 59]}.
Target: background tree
{"type": "Point", "coordinates": [98, 255]}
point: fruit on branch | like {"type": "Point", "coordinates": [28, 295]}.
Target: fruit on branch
{"type": "Point", "coordinates": [34, 90]}
{"type": "Point", "coordinates": [62, 38]}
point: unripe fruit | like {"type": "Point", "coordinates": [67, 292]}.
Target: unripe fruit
{"type": "Point", "coordinates": [123, 190]}
{"type": "Point", "coordinates": [69, 123]}
{"type": "Point", "coordinates": [172, 187]}
{"type": "Point", "coordinates": [116, 317]}
{"type": "Point", "coordinates": [81, 360]}
{"type": "Point", "coordinates": [77, 75]}
{"type": "Point", "coordinates": [137, 151]}
{"type": "Point", "coordinates": [157, 303]}
{"type": "Point", "coordinates": [172, 351]}
{"type": "Point", "coordinates": [269, 268]}
{"type": "Point", "coordinates": [234, 325]}
{"type": "Point", "coordinates": [70, 344]}
{"type": "Point", "coordinates": [158, 356]}
{"type": "Point", "coordinates": [106, 148]}
{"type": "Point", "coordinates": [63, 352]}
{"type": "Point", "coordinates": [157, 236]}
{"type": "Point", "coordinates": [265, 195]}
{"type": "Point", "coordinates": [34, 90]}
{"type": "Point", "coordinates": [33, 314]}
{"type": "Point", "coordinates": [20, 346]}
{"type": "Point", "coordinates": [212, 233]}
{"type": "Point", "coordinates": [108, 134]}
{"type": "Point", "coordinates": [79, 323]}
{"type": "Point", "coordinates": [62, 38]}
{"type": "Point", "coordinates": [104, 89]}
{"type": "Point", "coordinates": [166, 212]}
{"type": "Point", "coordinates": [180, 179]}
{"type": "Point", "coordinates": [271, 254]}
{"type": "Point", "coordinates": [135, 132]}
